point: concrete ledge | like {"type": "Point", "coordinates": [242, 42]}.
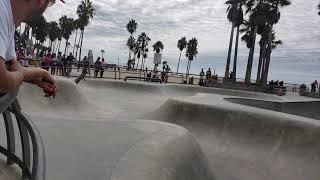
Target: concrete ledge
{"type": "Point", "coordinates": [308, 109]}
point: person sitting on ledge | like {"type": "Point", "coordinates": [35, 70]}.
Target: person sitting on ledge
{"type": "Point", "coordinates": [281, 83]}
{"type": "Point", "coordinates": [191, 80]}
{"type": "Point", "coordinates": [271, 85]}
{"type": "Point", "coordinates": [12, 74]}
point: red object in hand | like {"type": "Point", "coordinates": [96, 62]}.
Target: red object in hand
{"type": "Point", "coordinates": [49, 93]}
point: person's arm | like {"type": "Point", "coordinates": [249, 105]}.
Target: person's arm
{"type": "Point", "coordinates": [39, 77]}
{"type": "Point", "coordinates": [9, 80]}
{"type": "Point", "coordinates": [29, 73]}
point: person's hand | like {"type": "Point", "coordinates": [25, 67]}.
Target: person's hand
{"type": "Point", "coordinates": [48, 84]}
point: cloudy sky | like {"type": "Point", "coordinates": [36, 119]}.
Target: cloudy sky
{"type": "Point", "coordinates": [297, 60]}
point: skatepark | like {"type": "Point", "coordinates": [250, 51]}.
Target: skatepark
{"type": "Point", "coordinates": [108, 129]}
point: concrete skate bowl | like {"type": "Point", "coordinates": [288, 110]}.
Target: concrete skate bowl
{"type": "Point", "coordinates": [308, 109]}
{"type": "Point", "coordinates": [90, 131]}
{"type": "Point", "coordinates": [246, 143]}
{"type": "Point", "coordinates": [85, 140]}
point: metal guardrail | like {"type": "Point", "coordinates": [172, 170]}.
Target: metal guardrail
{"type": "Point", "coordinates": [32, 164]}
{"type": "Point", "coordinates": [179, 78]}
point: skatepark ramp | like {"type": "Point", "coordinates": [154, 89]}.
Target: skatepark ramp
{"type": "Point", "coordinates": [252, 143]}
{"type": "Point", "coordinates": [117, 130]}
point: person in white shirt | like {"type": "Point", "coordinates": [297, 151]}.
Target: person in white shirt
{"type": "Point", "coordinates": [12, 74]}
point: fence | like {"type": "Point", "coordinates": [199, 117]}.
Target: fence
{"type": "Point", "coordinates": [33, 163]}
{"type": "Point", "coordinates": [114, 71]}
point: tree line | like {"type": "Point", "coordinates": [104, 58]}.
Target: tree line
{"type": "Point", "coordinates": [42, 30]}
{"type": "Point", "coordinates": [252, 18]}
{"type": "Point", "coordinates": [139, 47]}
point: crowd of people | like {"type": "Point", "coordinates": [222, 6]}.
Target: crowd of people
{"type": "Point", "coordinates": [58, 64]}
{"type": "Point", "coordinates": [275, 84]}
{"type": "Point", "coordinates": [61, 65]}
{"type": "Point", "coordinates": [99, 66]}
{"type": "Point", "coordinates": [207, 78]}
{"type": "Point", "coordinates": [153, 75]}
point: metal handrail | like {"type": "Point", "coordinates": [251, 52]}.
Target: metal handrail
{"type": "Point", "coordinates": [35, 169]}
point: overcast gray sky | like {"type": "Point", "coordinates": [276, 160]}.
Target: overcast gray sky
{"type": "Point", "coordinates": [169, 20]}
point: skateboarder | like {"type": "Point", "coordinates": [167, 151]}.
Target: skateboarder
{"type": "Point", "coordinates": [85, 70]}
{"type": "Point", "coordinates": [12, 74]}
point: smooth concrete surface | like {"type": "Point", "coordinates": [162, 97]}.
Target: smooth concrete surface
{"type": "Point", "coordinates": [106, 129]}
{"type": "Point", "coordinates": [308, 109]}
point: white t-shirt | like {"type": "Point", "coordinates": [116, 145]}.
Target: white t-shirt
{"type": "Point", "coordinates": [7, 29]}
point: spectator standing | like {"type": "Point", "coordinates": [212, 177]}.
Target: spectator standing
{"type": "Point", "coordinates": [54, 64]}
{"type": "Point", "coordinates": [69, 63]}
{"type": "Point", "coordinates": [208, 74]}
{"type": "Point", "coordinates": [97, 67]}
{"type": "Point", "coordinates": [47, 61]}
{"type": "Point", "coordinates": [102, 67]}
{"type": "Point", "coordinates": [201, 77]}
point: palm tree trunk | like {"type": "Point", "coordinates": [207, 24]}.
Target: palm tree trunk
{"type": "Point", "coordinates": [179, 62]}
{"type": "Point", "coordinates": [65, 48]}
{"type": "Point", "coordinates": [187, 73]}
{"type": "Point", "coordinates": [138, 63]}
{"type": "Point", "coordinates": [226, 74]}
{"type": "Point", "coordinates": [189, 67]}
{"type": "Point", "coordinates": [261, 64]}
{"type": "Point", "coordinates": [50, 44]}
{"type": "Point", "coordinates": [269, 50]}
{"type": "Point", "coordinates": [234, 75]}
{"type": "Point", "coordinates": [81, 44]}
{"type": "Point", "coordinates": [75, 41]}
{"type": "Point", "coordinates": [250, 59]}
{"type": "Point", "coordinates": [129, 58]}
{"type": "Point", "coordinates": [59, 46]}
{"type": "Point", "coordinates": [53, 46]}
{"type": "Point", "coordinates": [78, 46]}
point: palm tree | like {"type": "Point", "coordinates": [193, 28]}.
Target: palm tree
{"type": "Point", "coordinates": [263, 13]}
{"type": "Point", "coordinates": [192, 51]}
{"type": "Point", "coordinates": [67, 27]}
{"type": "Point", "coordinates": [158, 47]}
{"type": "Point", "coordinates": [57, 49]}
{"type": "Point", "coordinates": [263, 44]}
{"type": "Point", "coordinates": [131, 28]}
{"type": "Point", "coordinates": [182, 44]}
{"type": "Point", "coordinates": [131, 42]}
{"type": "Point", "coordinates": [273, 18]}
{"type": "Point", "coordinates": [39, 28]}
{"type": "Point", "coordinates": [257, 18]}
{"type": "Point", "coordinates": [53, 32]}
{"type": "Point", "coordinates": [232, 9]}
{"type": "Point", "coordinates": [85, 12]}
{"type": "Point", "coordinates": [76, 27]}
{"type": "Point", "coordinates": [137, 53]}
{"type": "Point", "coordinates": [238, 22]}
{"type": "Point", "coordinates": [143, 41]}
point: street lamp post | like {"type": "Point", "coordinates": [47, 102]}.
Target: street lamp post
{"type": "Point", "coordinates": [102, 52]}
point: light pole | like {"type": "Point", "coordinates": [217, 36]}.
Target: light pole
{"type": "Point", "coordinates": [102, 52]}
